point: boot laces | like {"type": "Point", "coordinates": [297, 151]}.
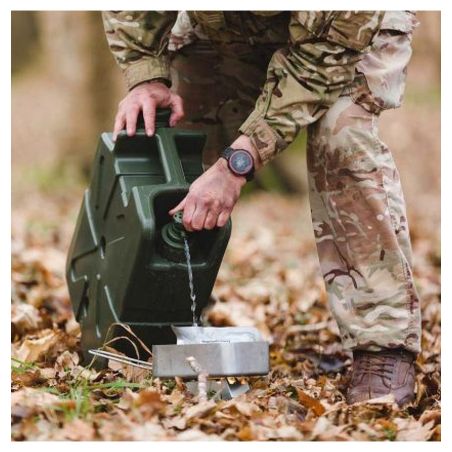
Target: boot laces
{"type": "Point", "coordinates": [374, 364]}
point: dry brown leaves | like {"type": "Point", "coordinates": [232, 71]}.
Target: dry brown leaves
{"type": "Point", "coordinates": [269, 279]}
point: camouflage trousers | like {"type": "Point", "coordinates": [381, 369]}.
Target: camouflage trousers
{"type": "Point", "coordinates": [358, 209]}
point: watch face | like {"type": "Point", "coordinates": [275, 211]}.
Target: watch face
{"type": "Point", "coordinates": [241, 162]}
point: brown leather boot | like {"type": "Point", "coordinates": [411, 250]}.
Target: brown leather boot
{"type": "Point", "coordinates": [376, 374]}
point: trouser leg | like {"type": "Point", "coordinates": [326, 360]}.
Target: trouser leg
{"type": "Point", "coordinates": [361, 230]}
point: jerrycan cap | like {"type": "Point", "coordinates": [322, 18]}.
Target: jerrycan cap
{"type": "Point", "coordinates": [173, 238]}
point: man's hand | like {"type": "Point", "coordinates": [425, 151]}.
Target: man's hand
{"type": "Point", "coordinates": [146, 97]}
{"type": "Point", "coordinates": [211, 198]}
{"type": "Point", "coordinates": [213, 195]}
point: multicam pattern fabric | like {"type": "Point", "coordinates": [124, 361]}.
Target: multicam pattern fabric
{"type": "Point", "coordinates": [303, 79]}
{"type": "Point", "coordinates": [139, 42]}
{"type": "Point", "coordinates": [361, 230]}
{"type": "Point", "coordinates": [380, 83]}
{"type": "Point", "coordinates": [337, 87]}
{"type": "Point", "coordinates": [357, 204]}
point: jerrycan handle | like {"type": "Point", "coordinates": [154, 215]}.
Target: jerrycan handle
{"type": "Point", "coordinates": [162, 117]}
{"type": "Point", "coordinates": [169, 155]}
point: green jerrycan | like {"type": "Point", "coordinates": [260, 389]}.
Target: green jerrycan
{"type": "Point", "coordinates": [126, 262]}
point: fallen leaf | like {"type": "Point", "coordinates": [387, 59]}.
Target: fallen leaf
{"type": "Point", "coordinates": [177, 422]}
{"type": "Point", "coordinates": [310, 402]}
{"type": "Point", "coordinates": [27, 401]}
{"type": "Point", "coordinates": [431, 415]}
{"type": "Point", "coordinates": [66, 362]}
{"type": "Point", "coordinates": [149, 402]}
{"type": "Point", "coordinates": [200, 410]}
{"type": "Point", "coordinates": [30, 378]}
{"type": "Point", "coordinates": [325, 430]}
{"type": "Point", "coordinates": [32, 348]}
{"type": "Point", "coordinates": [288, 433]}
{"type": "Point", "coordinates": [196, 435]}
{"type": "Point", "coordinates": [78, 430]}
{"type": "Point", "coordinates": [25, 317]}
{"type": "Point", "coordinates": [245, 433]}
{"type": "Point", "coordinates": [72, 326]}
{"type": "Point", "coordinates": [148, 431]}
{"type": "Point", "coordinates": [246, 408]}
{"type": "Point", "coordinates": [412, 430]}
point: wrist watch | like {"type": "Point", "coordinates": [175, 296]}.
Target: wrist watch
{"type": "Point", "coordinates": [240, 162]}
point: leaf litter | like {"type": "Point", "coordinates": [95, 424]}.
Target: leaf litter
{"type": "Point", "coordinates": [269, 279]}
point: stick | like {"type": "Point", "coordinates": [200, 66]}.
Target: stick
{"type": "Point", "coordinates": [202, 378]}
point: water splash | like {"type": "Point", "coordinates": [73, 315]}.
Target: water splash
{"type": "Point", "coordinates": [190, 281]}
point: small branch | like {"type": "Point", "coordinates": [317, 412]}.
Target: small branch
{"type": "Point", "coordinates": [202, 378]}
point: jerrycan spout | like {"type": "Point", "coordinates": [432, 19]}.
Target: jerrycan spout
{"type": "Point", "coordinates": [173, 239]}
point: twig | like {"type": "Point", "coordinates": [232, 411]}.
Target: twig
{"type": "Point", "coordinates": [202, 378]}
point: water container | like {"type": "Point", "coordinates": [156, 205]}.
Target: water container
{"type": "Point", "coordinates": [126, 262]}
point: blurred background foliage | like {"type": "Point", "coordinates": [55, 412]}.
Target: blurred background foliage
{"type": "Point", "coordinates": [66, 86]}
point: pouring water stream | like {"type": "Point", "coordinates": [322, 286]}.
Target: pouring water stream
{"type": "Point", "coordinates": [190, 281]}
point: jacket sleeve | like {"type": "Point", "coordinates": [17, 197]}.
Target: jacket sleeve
{"type": "Point", "coordinates": [139, 42]}
{"type": "Point", "coordinates": [307, 77]}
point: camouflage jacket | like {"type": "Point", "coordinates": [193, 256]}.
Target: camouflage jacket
{"type": "Point", "coordinates": [304, 78]}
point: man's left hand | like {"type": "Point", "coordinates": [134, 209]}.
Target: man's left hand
{"type": "Point", "coordinates": [211, 198]}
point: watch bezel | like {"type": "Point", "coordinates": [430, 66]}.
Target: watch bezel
{"type": "Point", "coordinates": [248, 168]}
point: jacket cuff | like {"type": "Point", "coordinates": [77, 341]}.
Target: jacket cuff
{"type": "Point", "coordinates": [264, 138]}
{"type": "Point", "coordinates": [145, 70]}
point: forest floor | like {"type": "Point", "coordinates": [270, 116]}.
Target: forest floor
{"type": "Point", "coordinates": [269, 279]}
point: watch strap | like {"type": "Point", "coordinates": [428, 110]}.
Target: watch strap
{"type": "Point", "coordinates": [226, 153]}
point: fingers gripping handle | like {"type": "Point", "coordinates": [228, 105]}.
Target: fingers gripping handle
{"type": "Point", "coordinates": [162, 117]}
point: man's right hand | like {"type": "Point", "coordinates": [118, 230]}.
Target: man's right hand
{"type": "Point", "coordinates": [147, 97]}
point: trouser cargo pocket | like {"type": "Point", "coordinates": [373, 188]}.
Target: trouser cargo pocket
{"type": "Point", "coordinates": [381, 74]}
